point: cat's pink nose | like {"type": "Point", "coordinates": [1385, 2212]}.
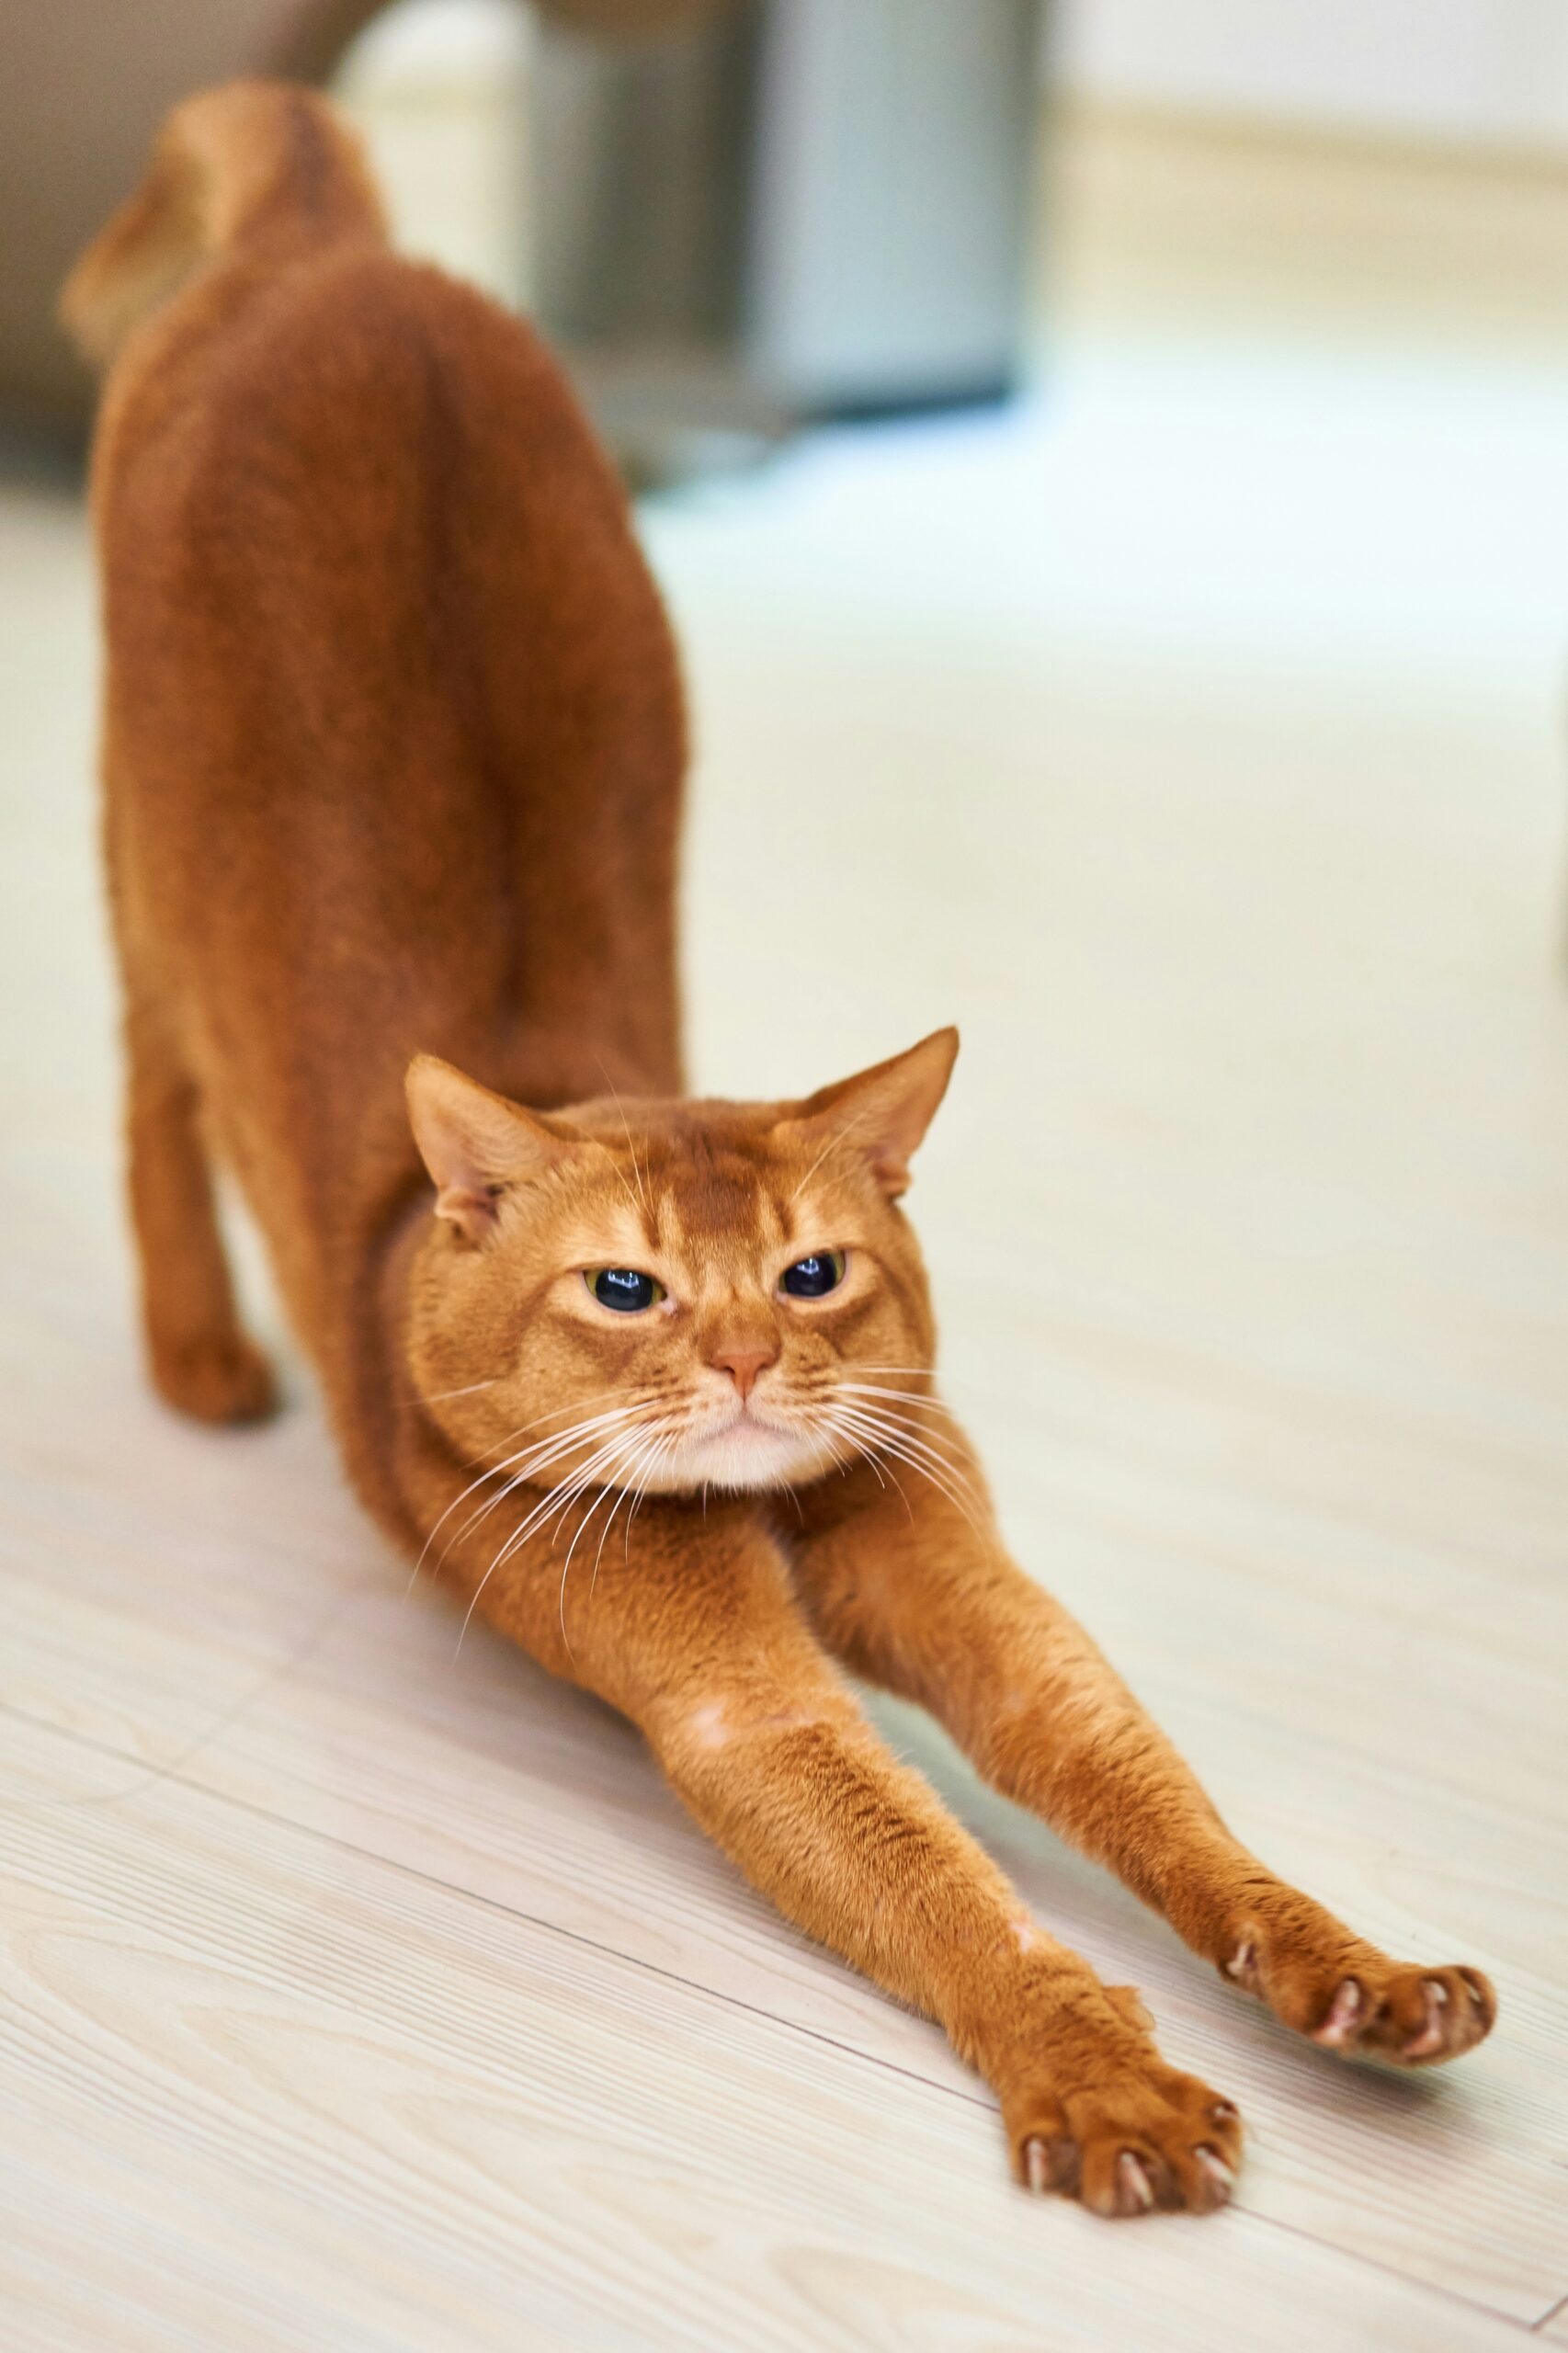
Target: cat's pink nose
{"type": "Point", "coordinates": [742, 1365]}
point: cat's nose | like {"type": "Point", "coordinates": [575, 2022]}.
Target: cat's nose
{"type": "Point", "coordinates": [744, 1364]}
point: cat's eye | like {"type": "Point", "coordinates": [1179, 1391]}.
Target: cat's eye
{"type": "Point", "coordinates": [623, 1289]}
{"type": "Point", "coordinates": [815, 1277]}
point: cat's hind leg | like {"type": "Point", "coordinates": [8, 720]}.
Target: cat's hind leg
{"type": "Point", "coordinates": [199, 1357]}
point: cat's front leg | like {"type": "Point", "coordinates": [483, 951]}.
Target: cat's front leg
{"type": "Point", "coordinates": [694, 1631]}
{"type": "Point", "coordinates": [916, 1591]}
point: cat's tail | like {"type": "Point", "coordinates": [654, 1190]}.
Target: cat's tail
{"type": "Point", "coordinates": [262, 167]}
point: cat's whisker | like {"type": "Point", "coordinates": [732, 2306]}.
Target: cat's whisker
{"type": "Point", "coordinates": [551, 1506]}
{"type": "Point", "coordinates": [618, 1470]}
{"type": "Point", "coordinates": [642, 1468]}
{"type": "Point", "coordinates": [937, 1425]}
{"type": "Point", "coordinates": [602, 1470]}
{"type": "Point", "coordinates": [595, 1397]}
{"type": "Point", "coordinates": [829, 1429]}
{"type": "Point", "coordinates": [911, 1442]}
{"type": "Point", "coordinates": [555, 1501]}
{"type": "Point", "coordinates": [605, 1489]}
{"type": "Point", "coordinates": [874, 1430]}
{"type": "Point", "coordinates": [622, 1463]}
{"type": "Point", "coordinates": [542, 1457]}
{"type": "Point", "coordinates": [840, 1136]}
{"type": "Point", "coordinates": [635, 1468]}
{"type": "Point", "coordinates": [950, 1380]}
{"type": "Point", "coordinates": [497, 1470]}
{"type": "Point", "coordinates": [883, 1471]}
{"type": "Point", "coordinates": [844, 1452]}
{"type": "Point", "coordinates": [934, 1442]}
{"type": "Point", "coordinates": [626, 1130]}
{"type": "Point", "coordinates": [895, 1396]}
{"type": "Point", "coordinates": [638, 1205]}
{"type": "Point", "coordinates": [440, 1396]}
{"type": "Point", "coordinates": [519, 1469]}
{"type": "Point", "coordinates": [538, 1457]}
{"type": "Point", "coordinates": [959, 1502]}
{"type": "Point", "coordinates": [669, 1447]}
{"type": "Point", "coordinates": [456, 1504]}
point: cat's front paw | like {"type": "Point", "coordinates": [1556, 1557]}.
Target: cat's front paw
{"type": "Point", "coordinates": [1140, 2140]}
{"type": "Point", "coordinates": [215, 1379]}
{"type": "Point", "coordinates": [1350, 1999]}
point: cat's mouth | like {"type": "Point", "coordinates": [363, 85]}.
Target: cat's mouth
{"type": "Point", "coordinates": [751, 1449]}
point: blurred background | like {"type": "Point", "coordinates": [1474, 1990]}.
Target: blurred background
{"type": "Point", "coordinates": [1108, 467]}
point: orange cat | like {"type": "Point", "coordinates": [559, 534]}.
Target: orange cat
{"type": "Point", "coordinates": [392, 758]}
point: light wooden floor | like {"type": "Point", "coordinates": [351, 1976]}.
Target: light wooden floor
{"type": "Point", "coordinates": [1193, 737]}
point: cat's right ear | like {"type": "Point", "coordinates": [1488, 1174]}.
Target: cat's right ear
{"type": "Point", "coordinates": [475, 1144]}
{"type": "Point", "coordinates": [884, 1112]}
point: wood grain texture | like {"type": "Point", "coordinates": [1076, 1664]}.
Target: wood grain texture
{"type": "Point", "coordinates": [1197, 743]}
{"type": "Point", "coordinates": [344, 2106]}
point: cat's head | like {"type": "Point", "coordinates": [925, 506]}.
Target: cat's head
{"type": "Point", "coordinates": [672, 1295]}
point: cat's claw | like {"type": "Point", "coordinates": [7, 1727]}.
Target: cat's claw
{"type": "Point", "coordinates": [1124, 2151]}
{"type": "Point", "coordinates": [1406, 2016]}
{"type": "Point", "coordinates": [1050, 2165]}
{"type": "Point", "coordinates": [1241, 1967]}
{"type": "Point", "coordinates": [1134, 2190]}
{"type": "Point", "coordinates": [1413, 2018]}
{"type": "Point", "coordinates": [1428, 2040]}
{"type": "Point", "coordinates": [1339, 2027]}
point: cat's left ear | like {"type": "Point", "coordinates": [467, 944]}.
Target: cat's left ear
{"type": "Point", "coordinates": [883, 1112]}
{"type": "Point", "coordinates": [475, 1144]}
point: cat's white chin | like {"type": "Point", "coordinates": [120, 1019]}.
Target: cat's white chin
{"type": "Point", "coordinates": [748, 1455]}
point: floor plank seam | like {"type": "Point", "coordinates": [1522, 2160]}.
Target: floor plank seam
{"type": "Point", "coordinates": [170, 1773]}
{"type": "Point", "coordinates": [172, 1770]}
{"type": "Point", "coordinates": [750, 2009]}
{"type": "Point", "coordinates": [1391, 2271]}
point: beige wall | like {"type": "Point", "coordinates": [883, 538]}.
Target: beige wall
{"type": "Point", "coordinates": [1487, 73]}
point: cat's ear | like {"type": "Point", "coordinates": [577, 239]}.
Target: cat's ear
{"type": "Point", "coordinates": [475, 1144]}
{"type": "Point", "coordinates": [884, 1112]}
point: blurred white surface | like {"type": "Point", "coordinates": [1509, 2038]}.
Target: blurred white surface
{"type": "Point", "coordinates": [1476, 73]}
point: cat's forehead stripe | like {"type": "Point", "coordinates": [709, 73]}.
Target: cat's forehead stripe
{"type": "Point", "coordinates": [693, 1185]}
{"type": "Point", "coordinates": [702, 1192]}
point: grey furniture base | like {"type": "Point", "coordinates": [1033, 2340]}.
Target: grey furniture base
{"type": "Point", "coordinates": [804, 208]}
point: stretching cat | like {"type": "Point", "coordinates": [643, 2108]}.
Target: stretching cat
{"type": "Point", "coordinates": [393, 755]}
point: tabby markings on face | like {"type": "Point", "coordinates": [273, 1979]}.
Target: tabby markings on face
{"type": "Point", "coordinates": [675, 1296]}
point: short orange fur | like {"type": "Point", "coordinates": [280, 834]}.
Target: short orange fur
{"type": "Point", "coordinates": [392, 758]}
